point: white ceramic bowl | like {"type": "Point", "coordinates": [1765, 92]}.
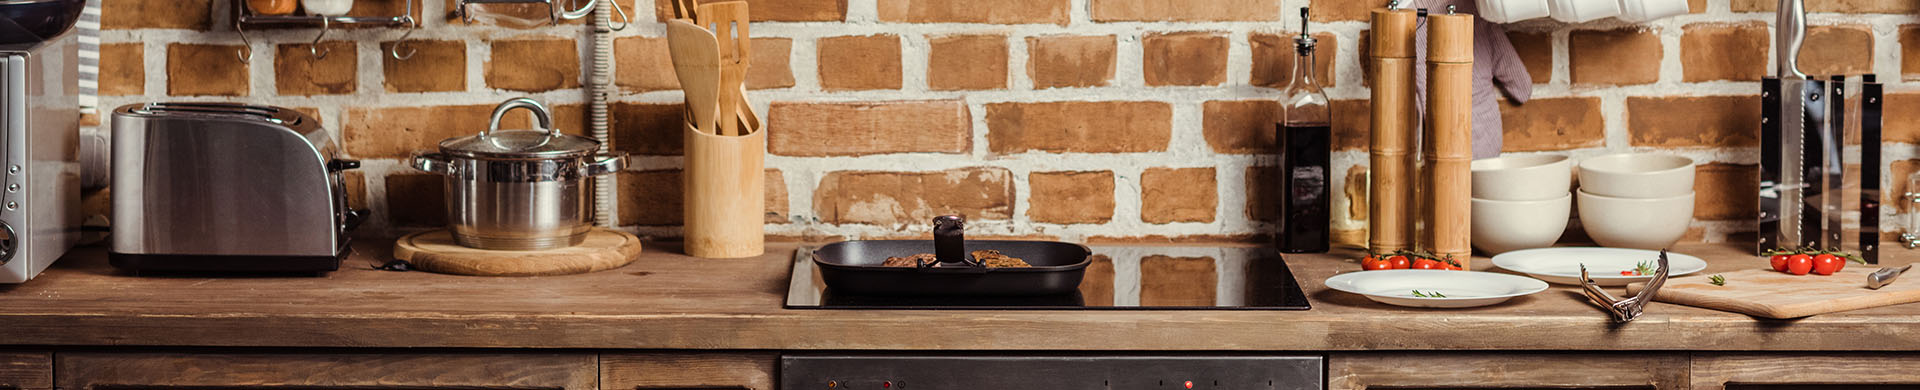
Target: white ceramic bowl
{"type": "Point", "coordinates": [1642, 11]}
{"type": "Point", "coordinates": [1509, 11]}
{"type": "Point", "coordinates": [1535, 177]}
{"type": "Point", "coordinates": [1635, 223]}
{"type": "Point", "coordinates": [1500, 226]}
{"type": "Point", "coordinates": [1460, 288]}
{"type": "Point", "coordinates": [1637, 175]}
{"type": "Point", "coordinates": [1579, 11]}
{"type": "Point", "coordinates": [1562, 265]}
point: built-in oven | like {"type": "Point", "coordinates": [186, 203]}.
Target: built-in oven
{"type": "Point", "coordinates": [829, 371]}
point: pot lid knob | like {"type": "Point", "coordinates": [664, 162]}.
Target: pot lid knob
{"type": "Point", "coordinates": [541, 116]}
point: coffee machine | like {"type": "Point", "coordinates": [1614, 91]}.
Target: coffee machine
{"type": "Point", "coordinates": [39, 135]}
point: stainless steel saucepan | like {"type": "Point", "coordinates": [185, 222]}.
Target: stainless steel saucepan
{"type": "Point", "coordinates": [518, 189]}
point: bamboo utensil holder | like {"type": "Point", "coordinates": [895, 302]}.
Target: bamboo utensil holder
{"type": "Point", "coordinates": [1449, 134]}
{"type": "Point", "coordinates": [1392, 179]}
{"type": "Point", "coordinates": [725, 192]}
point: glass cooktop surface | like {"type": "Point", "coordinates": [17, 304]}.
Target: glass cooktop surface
{"type": "Point", "coordinates": [1119, 278]}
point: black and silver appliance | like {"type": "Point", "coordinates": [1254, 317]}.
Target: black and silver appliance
{"type": "Point", "coordinates": [39, 135]}
{"type": "Point", "coordinates": [1063, 372]}
{"type": "Point", "coordinates": [227, 188]}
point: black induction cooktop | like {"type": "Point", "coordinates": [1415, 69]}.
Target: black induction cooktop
{"type": "Point", "coordinates": [1120, 278]}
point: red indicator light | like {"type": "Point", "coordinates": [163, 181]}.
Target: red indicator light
{"type": "Point", "coordinates": [1189, 384]}
{"type": "Point", "coordinates": [886, 385]}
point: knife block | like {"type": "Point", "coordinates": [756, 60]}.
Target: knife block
{"type": "Point", "coordinates": [725, 193]}
{"type": "Point", "coordinates": [1449, 135]}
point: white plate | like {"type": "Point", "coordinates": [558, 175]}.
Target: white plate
{"type": "Point", "coordinates": [1462, 288]}
{"type": "Point", "coordinates": [1562, 265]}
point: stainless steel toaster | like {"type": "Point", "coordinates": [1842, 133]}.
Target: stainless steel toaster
{"type": "Point", "coordinates": [227, 187]}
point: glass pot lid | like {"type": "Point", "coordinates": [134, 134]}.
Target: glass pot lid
{"type": "Point", "coordinates": [543, 143]}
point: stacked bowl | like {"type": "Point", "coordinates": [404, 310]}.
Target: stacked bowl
{"type": "Point", "coordinates": [1520, 202]}
{"type": "Point", "coordinates": [1636, 200]}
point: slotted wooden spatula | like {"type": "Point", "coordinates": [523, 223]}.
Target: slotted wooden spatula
{"type": "Point", "coordinates": [728, 21]}
{"type": "Point", "coordinates": [696, 60]}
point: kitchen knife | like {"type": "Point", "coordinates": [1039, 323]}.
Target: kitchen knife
{"type": "Point", "coordinates": [1799, 114]}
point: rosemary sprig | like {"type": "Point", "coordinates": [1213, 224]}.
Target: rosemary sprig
{"type": "Point", "coordinates": [1430, 294]}
{"type": "Point", "coordinates": [1717, 280]}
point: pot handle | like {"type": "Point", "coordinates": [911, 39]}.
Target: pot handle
{"type": "Point", "coordinates": [540, 115]}
{"type": "Point", "coordinates": [611, 164]}
{"type": "Point", "coordinates": [433, 163]}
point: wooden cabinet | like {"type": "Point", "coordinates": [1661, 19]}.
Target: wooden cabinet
{"type": "Point", "coordinates": [1865, 371]}
{"type": "Point", "coordinates": [1506, 370]}
{"type": "Point", "coordinates": [682, 370]}
{"type": "Point", "coordinates": [322, 371]}
{"type": "Point", "coordinates": [26, 371]}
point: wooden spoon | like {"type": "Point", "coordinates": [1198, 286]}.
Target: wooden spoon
{"type": "Point", "coordinates": [696, 60]}
{"type": "Point", "coordinates": [728, 21]}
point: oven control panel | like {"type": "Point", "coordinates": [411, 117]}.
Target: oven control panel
{"type": "Point", "coordinates": [1063, 372]}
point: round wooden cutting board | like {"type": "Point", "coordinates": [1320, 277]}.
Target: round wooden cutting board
{"type": "Point", "coordinates": [435, 251]}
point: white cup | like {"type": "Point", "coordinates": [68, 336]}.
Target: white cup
{"type": "Point", "coordinates": [1509, 11]}
{"type": "Point", "coordinates": [1642, 11]}
{"type": "Point", "coordinates": [1580, 11]}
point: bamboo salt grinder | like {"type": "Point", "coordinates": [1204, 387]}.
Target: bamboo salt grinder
{"type": "Point", "coordinates": [1391, 210]}
{"type": "Point", "coordinates": [1449, 133]}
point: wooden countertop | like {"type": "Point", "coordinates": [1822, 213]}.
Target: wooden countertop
{"type": "Point", "coordinates": [666, 300]}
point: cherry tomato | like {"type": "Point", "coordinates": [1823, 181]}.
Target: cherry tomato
{"type": "Point", "coordinates": [1826, 264]}
{"type": "Point", "coordinates": [1628, 273]}
{"type": "Point", "coordinates": [1451, 267]}
{"type": "Point", "coordinates": [1428, 264]}
{"type": "Point", "coordinates": [1799, 264]}
{"type": "Point", "coordinates": [1399, 262]}
{"type": "Point", "coordinates": [1374, 263]}
{"type": "Point", "coordinates": [1779, 262]}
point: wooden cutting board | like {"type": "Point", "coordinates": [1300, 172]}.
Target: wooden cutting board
{"type": "Point", "coordinates": [435, 251]}
{"type": "Point", "coordinates": [1769, 294]}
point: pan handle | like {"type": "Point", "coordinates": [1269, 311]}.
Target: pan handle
{"type": "Point", "coordinates": [950, 242]}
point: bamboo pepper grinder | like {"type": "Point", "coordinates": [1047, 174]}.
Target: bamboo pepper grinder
{"type": "Point", "coordinates": [1391, 209]}
{"type": "Point", "coordinates": [1449, 133]}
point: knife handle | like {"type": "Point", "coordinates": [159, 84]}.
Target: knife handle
{"type": "Point", "coordinates": [1791, 27]}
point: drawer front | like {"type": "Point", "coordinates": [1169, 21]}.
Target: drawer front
{"type": "Point", "coordinates": [323, 371]}
{"type": "Point", "coordinates": [922, 372]}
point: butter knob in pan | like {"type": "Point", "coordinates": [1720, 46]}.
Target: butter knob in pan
{"type": "Point", "coordinates": [272, 7]}
{"type": "Point", "coordinates": [327, 7]}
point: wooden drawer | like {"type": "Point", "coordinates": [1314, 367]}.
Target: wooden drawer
{"type": "Point", "coordinates": [321, 371]}
{"type": "Point", "coordinates": [680, 370]}
{"type": "Point", "coordinates": [1506, 370]}
{"type": "Point", "coordinates": [1779, 371]}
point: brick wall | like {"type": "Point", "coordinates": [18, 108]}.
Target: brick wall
{"type": "Point", "coordinates": [1094, 120]}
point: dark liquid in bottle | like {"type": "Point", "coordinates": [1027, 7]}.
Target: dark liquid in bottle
{"type": "Point", "coordinates": [1305, 208]}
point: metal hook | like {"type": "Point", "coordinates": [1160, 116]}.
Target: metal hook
{"type": "Point", "coordinates": [395, 50]}
{"type": "Point", "coordinates": [246, 46]}
{"type": "Point", "coordinates": [314, 49]}
{"type": "Point", "coordinates": [624, 19]}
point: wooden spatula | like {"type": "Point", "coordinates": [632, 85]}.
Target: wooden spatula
{"type": "Point", "coordinates": [728, 21]}
{"type": "Point", "coordinates": [683, 9]}
{"type": "Point", "coordinates": [696, 60]}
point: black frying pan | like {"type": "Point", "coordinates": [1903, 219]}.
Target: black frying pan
{"type": "Point", "coordinates": [853, 267]}
{"type": "Point", "coordinates": [35, 21]}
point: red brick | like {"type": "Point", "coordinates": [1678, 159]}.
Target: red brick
{"type": "Point", "coordinates": [648, 129]}
{"type": "Point", "coordinates": [1263, 193]}
{"type": "Point", "coordinates": [166, 14]}
{"type": "Point", "coordinates": [1909, 52]}
{"type": "Point", "coordinates": [1696, 6]}
{"type": "Point", "coordinates": [1694, 121]}
{"type": "Point", "coordinates": [1536, 52]}
{"type": "Point", "coordinates": [436, 66]}
{"type": "Point", "coordinates": [396, 132]}
{"type": "Point", "coordinates": [776, 185]}
{"type": "Point", "coordinates": [1240, 126]}
{"type": "Point", "coordinates": [1726, 192]}
{"type": "Point", "coordinates": [1725, 51]}
{"type": "Point", "coordinates": [1614, 57]}
{"type": "Point", "coordinates": [1079, 127]}
{"type": "Point", "coordinates": [770, 64]}
{"type": "Point", "coordinates": [1839, 6]}
{"type": "Point", "coordinates": [416, 200]}
{"type": "Point", "coordinates": [1096, 285]}
{"type": "Point", "coordinates": [896, 198]}
{"type": "Point", "coordinates": [975, 11]}
{"type": "Point", "coordinates": [652, 198]}
{"type": "Point", "coordinates": [1184, 58]}
{"type": "Point", "coordinates": [1352, 125]}
{"type": "Point", "coordinates": [1178, 281]}
{"type": "Point", "coordinates": [967, 62]}
{"type": "Point", "coordinates": [297, 72]}
{"type": "Point", "coordinates": [205, 70]}
{"type": "Point", "coordinates": [774, 10]}
{"type": "Point", "coordinates": [1171, 195]}
{"type": "Point", "coordinates": [1832, 50]}
{"type": "Point", "coordinates": [534, 65]}
{"type": "Point", "coordinates": [863, 128]}
{"type": "Point", "coordinates": [123, 69]}
{"type": "Point", "coordinates": [1059, 61]}
{"type": "Point", "coordinates": [1902, 118]}
{"type": "Point", "coordinates": [1273, 59]}
{"type": "Point", "coordinates": [860, 62]}
{"type": "Point", "coordinates": [1553, 124]}
{"type": "Point", "coordinates": [1071, 197]}
{"type": "Point", "coordinates": [355, 182]}
{"type": "Point", "coordinates": [1184, 10]}
{"type": "Point", "coordinates": [1338, 10]}
{"type": "Point", "coordinates": [644, 64]}
{"type": "Point", "coordinates": [510, 15]}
